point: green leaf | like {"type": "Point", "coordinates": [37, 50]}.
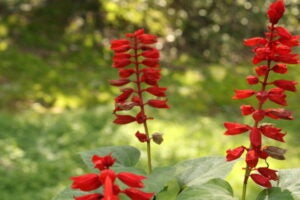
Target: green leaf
{"type": "Point", "coordinates": [199, 171]}
{"type": "Point", "coordinates": [275, 193]}
{"type": "Point", "coordinates": [290, 179]}
{"type": "Point", "coordinates": [215, 189]}
{"type": "Point", "coordinates": [158, 179]}
{"type": "Point", "coordinates": [169, 192]}
{"type": "Point", "coordinates": [126, 155]}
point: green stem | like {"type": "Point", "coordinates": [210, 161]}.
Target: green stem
{"type": "Point", "coordinates": [247, 173]}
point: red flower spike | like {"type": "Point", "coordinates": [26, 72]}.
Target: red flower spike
{"type": "Point", "coordinates": [124, 119]}
{"type": "Point", "coordinates": [262, 70]}
{"type": "Point", "coordinates": [158, 103]}
{"type": "Point", "coordinates": [268, 173]}
{"type": "Point", "coordinates": [142, 137]}
{"type": "Point", "coordinates": [96, 196]}
{"type": "Point", "coordinates": [251, 158]}
{"type": "Point", "coordinates": [275, 11]}
{"type": "Point", "coordinates": [247, 109]}
{"type": "Point", "coordinates": [136, 194]}
{"type": "Point", "coordinates": [261, 180]}
{"type": "Point", "coordinates": [286, 85]}
{"type": "Point", "coordinates": [235, 128]}
{"type": "Point", "coordinates": [234, 153]}
{"type": "Point", "coordinates": [132, 180]}
{"type": "Point", "coordinates": [86, 182]}
{"type": "Point", "coordinates": [255, 137]}
{"type": "Point", "coordinates": [252, 80]}
{"type": "Point", "coordinates": [104, 162]}
{"type": "Point", "coordinates": [242, 94]}
{"type": "Point", "coordinates": [157, 91]}
{"type": "Point", "coordinates": [280, 68]}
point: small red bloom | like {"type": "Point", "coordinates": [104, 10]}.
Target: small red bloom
{"type": "Point", "coordinates": [119, 82]}
{"type": "Point", "coordinates": [234, 153]}
{"type": "Point", "coordinates": [124, 119]}
{"type": "Point", "coordinates": [132, 180]}
{"type": "Point", "coordinates": [262, 96]}
{"type": "Point", "coordinates": [156, 103]}
{"type": "Point", "coordinates": [279, 113]}
{"type": "Point", "coordinates": [141, 117]}
{"type": "Point", "coordinates": [120, 63]}
{"type": "Point", "coordinates": [252, 80]}
{"type": "Point", "coordinates": [273, 132]}
{"type": "Point", "coordinates": [247, 109]}
{"type": "Point", "coordinates": [286, 85]}
{"type": "Point", "coordinates": [124, 96]}
{"type": "Point", "coordinates": [142, 137]}
{"type": "Point", "coordinates": [252, 158]}
{"type": "Point", "coordinates": [104, 162]}
{"type": "Point", "coordinates": [125, 73]}
{"type": "Point", "coordinates": [157, 91]}
{"type": "Point", "coordinates": [262, 70]}
{"type": "Point", "coordinates": [152, 53]}
{"type": "Point", "coordinates": [283, 32]}
{"type": "Point", "coordinates": [280, 68]}
{"type": "Point", "coordinates": [242, 94]}
{"type": "Point", "coordinates": [258, 115]}
{"type": "Point", "coordinates": [136, 194]}
{"type": "Point", "coordinates": [235, 128]}
{"type": "Point", "coordinates": [150, 62]}
{"type": "Point", "coordinates": [275, 11]}
{"type": "Point", "coordinates": [147, 39]}
{"type": "Point", "coordinates": [255, 41]}
{"type": "Point", "coordinates": [261, 180]}
{"type": "Point", "coordinates": [86, 182]}
{"type": "Point", "coordinates": [150, 76]}
{"type": "Point", "coordinates": [268, 173]}
{"type": "Point", "coordinates": [96, 196]}
{"type": "Point", "coordinates": [277, 96]}
{"type": "Point", "coordinates": [118, 43]}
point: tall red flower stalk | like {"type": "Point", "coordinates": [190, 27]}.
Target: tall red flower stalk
{"type": "Point", "coordinates": [107, 180]}
{"type": "Point", "coordinates": [137, 62]}
{"type": "Point", "coordinates": [275, 52]}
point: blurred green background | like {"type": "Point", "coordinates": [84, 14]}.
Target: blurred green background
{"type": "Point", "coordinates": [55, 100]}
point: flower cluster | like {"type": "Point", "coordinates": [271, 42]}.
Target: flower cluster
{"type": "Point", "coordinates": [137, 62]}
{"type": "Point", "coordinates": [107, 180]}
{"type": "Point", "coordinates": [275, 50]}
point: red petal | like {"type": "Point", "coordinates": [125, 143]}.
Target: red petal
{"type": "Point", "coordinates": [147, 39]}
{"type": "Point", "coordinates": [150, 62]}
{"type": "Point", "coordinates": [119, 82]}
{"type": "Point", "coordinates": [120, 63]}
{"type": "Point", "coordinates": [142, 137]}
{"type": "Point", "coordinates": [86, 182]}
{"type": "Point", "coordinates": [279, 113]}
{"type": "Point", "coordinates": [268, 173]}
{"type": "Point", "coordinates": [280, 68]}
{"type": "Point", "coordinates": [157, 91]}
{"type": "Point", "coordinates": [125, 73]}
{"type": "Point", "coordinates": [255, 137]}
{"type": "Point", "coordinates": [242, 94]}
{"type": "Point", "coordinates": [251, 158]}
{"type": "Point", "coordinates": [153, 53]}
{"type": "Point", "coordinates": [283, 32]}
{"type": "Point", "coordinates": [262, 70]}
{"type": "Point", "coordinates": [104, 162]}
{"type": "Point", "coordinates": [124, 96]}
{"type": "Point", "coordinates": [136, 194]}
{"type": "Point", "coordinates": [90, 197]}
{"type": "Point", "coordinates": [247, 109]}
{"type": "Point", "coordinates": [255, 41]}
{"type": "Point", "coordinates": [286, 85]}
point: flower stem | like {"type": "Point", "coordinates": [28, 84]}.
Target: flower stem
{"type": "Point", "coordinates": [247, 173]}
{"type": "Point", "coordinates": [148, 149]}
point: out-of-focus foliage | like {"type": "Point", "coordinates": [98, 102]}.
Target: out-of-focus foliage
{"type": "Point", "coordinates": [52, 40]}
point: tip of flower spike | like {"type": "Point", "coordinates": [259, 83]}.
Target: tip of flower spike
{"type": "Point", "coordinates": [276, 11]}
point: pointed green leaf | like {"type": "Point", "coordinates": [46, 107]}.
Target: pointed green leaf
{"type": "Point", "coordinates": [158, 179]}
{"type": "Point", "coordinates": [125, 155]}
{"type": "Point", "coordinates": [199, 171]}
{"type": "Point", "coordinates": [68, 194]}
{"type": "Point", "coordinates": [169, 192]}
{"type": "Point", "coordinates": [215, 189]}
{"type": "Point", "coordinates": [275, 193]}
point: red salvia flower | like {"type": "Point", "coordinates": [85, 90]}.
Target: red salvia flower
{"type": "Point", "coordinates": [275, 50]}
{"type": "Point", "coordinates": [137, 62]}
{"type": "Point", "coordinates": [107, 180]}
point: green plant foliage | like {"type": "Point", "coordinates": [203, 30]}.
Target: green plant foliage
{"type": "Point", "coordinates": [214, 189]}
{"type": "Point", "coordinates": [275, 194]}
{"type": "Point", "coordinates": [193, 173]}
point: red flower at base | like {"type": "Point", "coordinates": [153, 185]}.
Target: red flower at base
{"type": "Point", "coordinates": [135, 194]}
{"type": "Point", "coordinates": [261, 180]}
{"type": "Point", "coordinates": [90, 197]}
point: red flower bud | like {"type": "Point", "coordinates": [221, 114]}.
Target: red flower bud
{"type": "Point", "coordinates": [86, 182]}
{"type": "Point", "coordinates": [283, 32]}
{"type": "Point", "coordinates": [268, 173]}
{"type": "Point", "coordinates": [276, 11]}
{"type": "Point", "coordinates": [158, 103]}
{"type": "Point", "coordinates": [157, 91]}
{"type": "Point", "coordinates": [247, 109]}
{"type": "Point", "coordinates": [124, 119]}
{"type": "Point", "coordinates": [125, 73]}
{"type": "Point", "coordinates": [251, 158]}
{"type": "Point", "coordinates": [235, 128]}
{"type": "Point", "coordinates": [258, 115]}
{"type": "Point", "coordinates": [262, 70]}
{"type": "Point", "coordinates": [255, 41]}
{"type": "Point", "coordinates": [252, 80]}
{"type": "Point", "coordinates": [130, 179]}
{"type": "Point", "coordinates": [255, 137]}
{"type": "Point", "coordinates": [119, 82]}
{"type": "Point", "coordinates": [104, 162]}
{"type": "Point", "coordinates": [142, 137]}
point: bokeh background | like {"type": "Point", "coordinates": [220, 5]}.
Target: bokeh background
{"type": "Point", "coordinates": [55, 99]}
